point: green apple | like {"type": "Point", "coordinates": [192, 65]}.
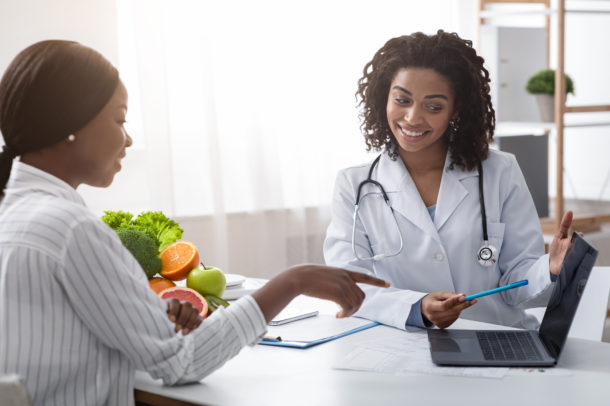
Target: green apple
{"type": "Point", "coordinates": [208, 280]}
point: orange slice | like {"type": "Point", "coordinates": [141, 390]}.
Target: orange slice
{"type": "Point", "coordinates": [178, 259]}
{"type": "Point", "coordinates": [157, 284]}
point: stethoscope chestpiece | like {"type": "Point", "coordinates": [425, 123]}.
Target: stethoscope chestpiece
{"type": "Point", "coordinates": [487, 255]}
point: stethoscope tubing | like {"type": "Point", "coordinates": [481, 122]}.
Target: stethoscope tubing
{"type": "Point", "coordinates": [482, 254]}
{"type": "Point", "coordinates": [377, 257]}
{"type": "Point", "coordinates": [482, 203]}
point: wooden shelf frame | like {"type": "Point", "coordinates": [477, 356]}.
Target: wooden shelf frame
{"type": "Point", "coordinates": [588, 109]}
{"type": "Point", "coordinates": [560, 106]}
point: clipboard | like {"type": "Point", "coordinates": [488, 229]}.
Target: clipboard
{"type": "Point", "coordinates": [278, 342]}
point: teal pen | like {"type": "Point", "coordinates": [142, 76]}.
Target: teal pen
{"type": "Point", "coordinates": [496, 290]}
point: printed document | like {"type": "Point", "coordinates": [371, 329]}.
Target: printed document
{"type": "Point", "coordinates": [409, 353]}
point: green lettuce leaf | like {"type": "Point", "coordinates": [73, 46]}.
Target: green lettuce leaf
{"type": "Point", "coordinates": [162, 229]}
{"type": "Point", "coordinates": [117, 219]}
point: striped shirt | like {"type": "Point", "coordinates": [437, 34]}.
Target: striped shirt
{"type": "Point", "coordinates": [77, 316]}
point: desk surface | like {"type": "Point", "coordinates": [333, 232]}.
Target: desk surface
{"type": "Point", "coordinates": [264, 375]}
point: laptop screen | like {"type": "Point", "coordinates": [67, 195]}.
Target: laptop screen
{"type": "Point", "coordinates": [606, 332]}
{"type": "Point", "coordinates": [564, 300]}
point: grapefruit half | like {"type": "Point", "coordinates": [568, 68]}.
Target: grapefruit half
{"type": "Point", "coordinates": [186, 294]}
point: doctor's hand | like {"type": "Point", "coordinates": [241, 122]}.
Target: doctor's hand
{"type": "Point", "coordinates": [443, 308]}
{"type": "Point", "coordinates": [560, 244]}
{"type": "Point", "coordinates": [324, 282]}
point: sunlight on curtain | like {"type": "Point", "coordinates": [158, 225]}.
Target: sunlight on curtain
{"type": "Point", "coordinates": [248, 107]}
{"type": "Point", "coordinates": [253, 100]}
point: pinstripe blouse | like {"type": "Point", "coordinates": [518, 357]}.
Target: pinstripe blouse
{"type": "Point", "coordinates": [76, 314]}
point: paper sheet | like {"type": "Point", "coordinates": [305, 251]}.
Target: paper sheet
{"type": "Point", "coordinates": [539, 371]}
{"type": "Point", "coordinates": [409, 353]}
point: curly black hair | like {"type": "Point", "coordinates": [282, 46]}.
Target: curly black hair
{"type": "Point", "coordinates": [455, 59]}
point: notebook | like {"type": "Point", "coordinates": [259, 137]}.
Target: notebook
{"type": "Point", "coordinates": [523, 347]}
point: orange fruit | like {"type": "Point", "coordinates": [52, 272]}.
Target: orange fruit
{"type": "Point", "coordinates": [188, 295]}
{"type": "Point", "coordinates": [178, 259]}
{"type": "Point", "coordinates": [157, 284]}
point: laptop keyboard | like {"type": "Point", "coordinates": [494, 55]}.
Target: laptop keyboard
{"type": "Point", "coordinates": [508, 346]}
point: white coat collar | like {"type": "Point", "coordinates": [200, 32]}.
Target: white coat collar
{"type": "Point", "coordinates": [406, 200]}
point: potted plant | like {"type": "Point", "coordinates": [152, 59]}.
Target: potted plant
{"type": "Point", "coordinates": [542, 85]}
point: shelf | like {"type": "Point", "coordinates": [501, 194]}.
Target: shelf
{"type": "Point", "coordinates": [547, 12]}
{"type": "Point", "coordinates": [562, 120]}
{"type": "Point", "coordinates": [585, 223]}
{"type": "Point", "coordinates": [540, 128]}
{"type": "Point", "coordinates": [587, 109]}
{"type": "Point", "coordinates": [507, 13]}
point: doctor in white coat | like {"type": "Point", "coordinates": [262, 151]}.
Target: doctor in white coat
{"type": "Point", "coordinates": [426, 106]}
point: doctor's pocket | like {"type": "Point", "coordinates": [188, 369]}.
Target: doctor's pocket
{"type": "Point", "coordinates": [379, 246]}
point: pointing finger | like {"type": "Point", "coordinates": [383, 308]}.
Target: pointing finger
{"type": "Point", "coordinates": [371, 280]}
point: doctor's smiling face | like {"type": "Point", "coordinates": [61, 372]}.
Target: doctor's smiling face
{"type": "Point", "coordinates": [411, 89]}
{"type": "Point", "coordinates": [420, 104]}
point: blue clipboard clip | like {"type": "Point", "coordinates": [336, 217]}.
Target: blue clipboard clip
{"type": "Point", "coordinates": [278, 342]}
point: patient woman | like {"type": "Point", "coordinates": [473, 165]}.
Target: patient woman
{"type": "Point", "coordinates": [76, 314]}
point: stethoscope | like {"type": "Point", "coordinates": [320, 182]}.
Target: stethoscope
{"type": "Point", "coordinates": [487, 255]}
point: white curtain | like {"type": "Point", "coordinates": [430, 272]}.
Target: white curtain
{"type": "Point", "coordinates": [242, 112]}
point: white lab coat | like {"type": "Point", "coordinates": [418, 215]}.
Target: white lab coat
{"type": "Point", "coordinates": [441, 254]}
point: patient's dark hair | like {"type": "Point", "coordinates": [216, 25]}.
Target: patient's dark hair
{"type": "Point", "coordinates": [49, 91]}
{"type": "Point", "coordinates": [453, 58]}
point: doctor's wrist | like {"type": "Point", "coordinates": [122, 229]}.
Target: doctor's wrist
{"type": "Point", "coordinates": [424, 319]}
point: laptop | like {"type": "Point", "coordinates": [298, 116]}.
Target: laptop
{"type": "Point", "coordinates": [523, 347]}
{"type": "Point", "coordinates": [606, 332]}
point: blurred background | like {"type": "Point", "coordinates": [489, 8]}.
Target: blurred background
{"type": "Point", "coordinates": [242, 112]}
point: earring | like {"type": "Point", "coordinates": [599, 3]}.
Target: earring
{"type": "Point", "coordinates": [71, 138]}
{"type": "Point", "coordinates": [453, 129]}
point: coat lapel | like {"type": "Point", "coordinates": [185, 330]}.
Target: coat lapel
{"type": "Point", "coordinates": [406, 200]}
{"type": "Point", "coordinates": [451, 193]}
{"type": "Point", "coordinates": [403, 194]}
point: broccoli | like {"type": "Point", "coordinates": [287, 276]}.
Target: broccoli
{"type": "Point", "coordinates": [163, 230]}
{"type": "Point", "coordinates": [143, 248]}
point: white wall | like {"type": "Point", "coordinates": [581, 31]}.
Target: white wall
{"type": "Point", "coordinates": [24, 22]}
{"type": "Point", "coordinates": [94, 23]}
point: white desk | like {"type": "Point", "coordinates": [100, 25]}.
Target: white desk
{"type": "Point", "coordinates": [283, 376]}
